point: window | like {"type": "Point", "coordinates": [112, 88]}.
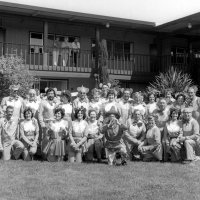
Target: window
{"type": "Point", "coordinates": [36, 42]}
{"type": "Point", "coordinates": [178, 55]}
{"type": "Point", "coordinates": [116, 49]}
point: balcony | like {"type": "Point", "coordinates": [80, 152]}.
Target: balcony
{"type": "Point", "coordinates": [126, 65]}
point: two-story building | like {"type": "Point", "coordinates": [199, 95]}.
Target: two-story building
{"type": "Point", "coordinates": [137, 50]}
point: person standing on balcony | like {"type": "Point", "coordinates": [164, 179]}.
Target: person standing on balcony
{"type": "Point", "coordinates": [13, 100]}
{"type": "Point", "coordinates": [65, 51]}
{"type": "Point", "coordinates": [46, 113]}
{"type": "Point", "coordinates": [76, 49]}
{"type": "Point", "coordinates": [56, 47]}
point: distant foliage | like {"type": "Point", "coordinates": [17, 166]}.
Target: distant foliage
{"type": "Point", "coordinates": [13, 71]}
{"type": "Point", "coordinates": [172, 79]}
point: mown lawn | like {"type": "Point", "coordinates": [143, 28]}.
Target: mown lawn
{"type": "Point", "coordinates": [138, 180]}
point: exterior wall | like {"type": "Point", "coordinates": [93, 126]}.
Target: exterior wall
{"type": "Point", "coordinates": [18, 29]}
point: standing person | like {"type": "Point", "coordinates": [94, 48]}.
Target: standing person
{"type": "Point", "coordinates": [78, 136]}
{"type": "Point", "coordinates": [161, 114]}
{"type": "Point", "coordinates": [113, 132]}
{"type": "Point", "coordinates": [194, 102]}
{"type": "Point", "coordinates": [111, 103]}
{"type": "Point", "coordinates": [65, 103]}
{"type": "Point", "coordinates": [125, 104]}
{"type": "Point", "coordinates": [172, 131]}
{"type": "Point", "coordinates": [76, 50]}
{"type": "Point", "coordinates": [65, 51]}
{"type": "Point", "coordinates": [32, 102]}
{"type": "Point", "coordinates": [94, 139]}
{"type": "Point", "coordinates": [56, 48]}
{"type": "Point", "coordinates": [9, 138]}
{"type": "Point", "coordinates": [55, 150]}
{"type": "Point", "coordinates": [96, 102]}
{"type": "Point", "coordinates": [82, 99]}
{"type": "Point", "coordinates": [151, 106]}
{"type": "Point", "coordinates": [46, 113]}
{"type": "Point", "coordinates": [151, 147]}
{"type": "Point", "coordinates": [169, 98]}
{"type": "Point", "coordinates": [29, 133]}
{"type": "Point", "coordinates": [190, 136]}
{"type": "Point", "coordinates": [138, 104]}
{"type": "Point", "coordinates": [13, 100]}
{"type": "Point", "coordinates": [180, 102]}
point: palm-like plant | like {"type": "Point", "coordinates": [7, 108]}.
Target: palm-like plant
{"type": "Point", "coordinates": [172, 79]}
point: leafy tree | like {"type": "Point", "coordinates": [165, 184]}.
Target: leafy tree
{"type": "Point", "coordinates": [13, 71]}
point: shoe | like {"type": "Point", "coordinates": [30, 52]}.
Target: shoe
{"type": "Point", "coordinates": [99, 160]}
{"type": "Point", "coordinates": [186, 162]}
{"type": "Point", "coordinates": [124, 163]}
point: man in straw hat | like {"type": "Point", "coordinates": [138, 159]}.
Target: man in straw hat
{"type": "Point", "coordinates": [13, 100]}
{"type": "Point", "coordinates": [113, 131]}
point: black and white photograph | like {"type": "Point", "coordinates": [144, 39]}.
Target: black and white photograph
{"type": "Point", "coordinates": [99, 100]}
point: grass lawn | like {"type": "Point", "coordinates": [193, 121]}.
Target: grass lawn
{"type": "Point", "coordinates": [138, 180]}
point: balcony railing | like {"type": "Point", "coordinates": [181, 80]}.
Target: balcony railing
{"type": "Point", "coordinates": [121, 64]}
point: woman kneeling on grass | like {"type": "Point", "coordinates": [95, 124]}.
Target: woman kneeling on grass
{"type": "Point", "coordinates": [172, 131]}
{"type": "Point", "coordinates": [113, 131]}
{"type": "Point", "coordinates": [29, 132]}
{"type": "Point", "coordinates": [78, 136]}
{"type": "Point", "coordinates": [151, 147]}
{"type": "Point", "coordinates": [94, 139]}
{"type": "Point", "coordinates": [57, 133]}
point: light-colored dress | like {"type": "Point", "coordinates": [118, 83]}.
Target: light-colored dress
{"type": "Point", "coordinates": [171, 142]}
{"type": "Point", "coordinates": [57, 135]}
{"type": "Point", "coordinates": [79, 131]}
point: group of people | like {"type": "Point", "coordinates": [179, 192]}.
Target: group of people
{"type": "Point", "coordinates": [111, 125]}
{"type": "Point", "coordinates": [66, 49]}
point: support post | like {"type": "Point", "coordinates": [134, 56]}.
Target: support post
{"type": "Point", "coordinates": [45, 48]}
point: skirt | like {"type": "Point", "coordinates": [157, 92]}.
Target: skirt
{"type": "Point", "coordinates": [55, 148]}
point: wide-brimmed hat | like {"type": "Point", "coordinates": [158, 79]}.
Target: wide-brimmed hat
{"type": "Point", "coordinates": [113, 111]}
{"type": "Point", "coordinates": [14, 87]}
{"type": "Point", "coordinates": [82, 89]}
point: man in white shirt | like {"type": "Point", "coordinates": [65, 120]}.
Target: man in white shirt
{"type": "Point", "coordinates": [9, 135]}
{"type": "Point", "coordinates": [75, 48]}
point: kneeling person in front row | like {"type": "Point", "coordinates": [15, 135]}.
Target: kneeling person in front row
{"type": "Point", "coordinates": [10, 145]}
{"type": "Point", "coordinates": [151, 147]}
{"type": "Point", "coordinates": [113, 131]}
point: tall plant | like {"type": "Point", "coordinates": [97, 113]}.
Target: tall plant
{"type": "Point", "coordinates": [13, 71]}
{"type": "Point", "coordinates": [173, 79]}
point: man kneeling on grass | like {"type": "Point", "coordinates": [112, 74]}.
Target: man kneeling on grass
{"type": "Point", "coordinates": [113, 131]}
{"type": "Point", "coordinates": [9, 144]}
